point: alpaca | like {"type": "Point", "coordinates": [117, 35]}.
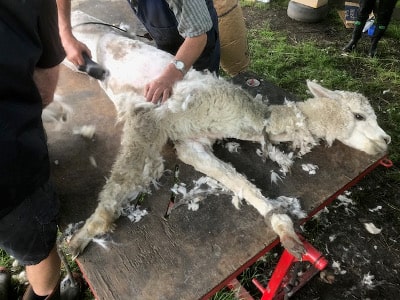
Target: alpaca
{"type": "Point", "coordinates": [203, 109]}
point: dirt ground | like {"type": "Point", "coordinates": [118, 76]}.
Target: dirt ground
{"type": "Point", "coordinates": [363, 265]}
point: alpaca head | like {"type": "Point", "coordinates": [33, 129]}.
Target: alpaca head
{"type": "Point", "coordinates": [363, 131]}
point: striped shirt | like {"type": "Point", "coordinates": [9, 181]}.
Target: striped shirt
{"type": "Point", "coordinates": [192, 15]}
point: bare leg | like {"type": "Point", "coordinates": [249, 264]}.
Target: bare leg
{"type": "Point", "coordinates": [46, 81]}
{"type": "Point", "coordinates": [44, 276]}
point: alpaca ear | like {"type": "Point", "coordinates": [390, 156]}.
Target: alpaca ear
{"type": "Point", "coordinates": [319, 91]}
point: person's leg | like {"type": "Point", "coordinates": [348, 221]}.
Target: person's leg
{"type": "Point", "coordinates": [5, 282]}
{"type": "Point", "coordinates": [385, 10]}
{"type": "Point", "coordinates": [29, 233]}
{"type": "Point", "coordinates": [366, 7]}
{"type": "Point", "coordinates": [44, 277]}
{"type": "Point", "coordinates": [46, 82]}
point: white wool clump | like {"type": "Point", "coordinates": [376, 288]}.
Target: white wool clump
{"type": "Point", "coordinates": [379, 207]}
{"type": "Point", "coordinates": [275, 177]}
{"type": "Point", "coordinates": [193, 204]}
{"type": "Point", "coordinates": [71, 229]}
{"type": "Point", "coordinates": [337, 269]}
{"type": "Point", "coordinates": [15, 263]}
{"type": "Point", "coordinates": [368, 280]}
{"type": "Point", "coordinates": [87, 131]}
{"type": "Point", "coordinates": [289, 204]}
{"type": "Point", "coordinates": [371, 228]}
{"type": "Point", "coordinates": [21, 278]}
{"type": "Point", "coordinates": [310, 168]}
{"type": "Point", "coordinates": [93, 161]}
{"type": "Point", "coordinates": [236, 201]}
{"type": "Point", "coordinates": [202, 187]}
{"type": "Point", "coordinates": [134, 212]}
{"type": "Point", "coordinates": [258, 97]}
{"type": "Point", "coordinates": [179, 188]}
{"type": "Point", "coordinates": [346, 202]}
{"type": "Point", "coordinates": [285, 161]}
{"type": "Point", "coordinates": [103, 243]}
{"type": "Point", "coordinates": [57, 112]}
{"type": "Point", "coordinates": [232, 146]}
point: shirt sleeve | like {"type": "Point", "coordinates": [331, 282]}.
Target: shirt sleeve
{"type": "Point", "coordinates": [193, 17]}
{"type": "Point", "coordinates": [53, 51]}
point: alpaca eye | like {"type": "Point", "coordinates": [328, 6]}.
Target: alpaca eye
{"type": "Point", "coordinates": [359, 117]}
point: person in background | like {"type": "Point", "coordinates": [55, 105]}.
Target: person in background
{"type": "Point", "coordinates": [30, 54]}
{"type": "Point", "coordinates": [383, 12]}
{"type": "Point", "coordinates": [186, 29]}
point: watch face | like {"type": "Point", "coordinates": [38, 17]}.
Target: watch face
{"type": "Point", "coordinates": [179, 65]}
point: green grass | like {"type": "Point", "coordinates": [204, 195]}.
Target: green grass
{"type": "Point", "coordinates": [5, 260]}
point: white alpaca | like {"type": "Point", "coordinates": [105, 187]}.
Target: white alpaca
{"type": "Point", "coordinates": [201, 110]}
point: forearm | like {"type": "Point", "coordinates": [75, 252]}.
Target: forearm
{"type": "Point", "coordinates": [73, 48]}
{"type": "Point", "coordinates": [64, 18]}
{"type": "Point", "coordinates": [191, 50]}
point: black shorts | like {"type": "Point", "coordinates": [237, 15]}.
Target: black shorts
{"type": "Point", "coordinates": [29, 232]}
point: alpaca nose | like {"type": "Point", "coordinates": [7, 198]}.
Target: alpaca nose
{"type": "Point", "coordinates": [387, 139]}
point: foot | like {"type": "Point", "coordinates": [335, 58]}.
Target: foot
{"type": "Point", "coordinates": [372, 51]}
{"type": "Point", "coordinates": [30, 294]}
{"type": "Point", "coordinates": [71, 288]}
{"type": "Point", "coordinates": [349, 47]}
{"type": "Point", "coordinates": [293, 245]}
{"type": "Point", "coordinates": [5, 282]}
{"type": "Point", "coordinates": [78, 243]}
{"type": "Point", "coordinates": [283, 226]}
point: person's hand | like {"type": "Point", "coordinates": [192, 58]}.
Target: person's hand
{"type": "Point", "coordinates": [74, 49]}
{"type": "Point", "coordinates": [161, 87]}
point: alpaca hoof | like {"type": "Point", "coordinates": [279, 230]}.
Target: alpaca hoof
{"type": "Point", "coordinates": [293, 245]}
{"type": "Point", "coordinates": [77, 244]}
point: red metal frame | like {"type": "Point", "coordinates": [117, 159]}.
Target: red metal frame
{"type": "Point", "coordinates": [285, 283]}
{"type": "Point", "coordinates": [280, 284]}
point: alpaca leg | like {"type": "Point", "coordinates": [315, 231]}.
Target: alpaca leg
{"type": "Point", "coordinates": [283, 226]}
{"type": "Point", "coordinates": [202, 159]}
{"type": "Point", "coordinates": [99, 223]}
{"type": "Point", "coordinates": [131, 179]}
{"type": "Point", "coordinates": [138, 164]}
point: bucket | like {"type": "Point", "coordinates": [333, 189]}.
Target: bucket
{"type": "Point", "coordinates": [371, 30]}
{"type": "Point", "coordinates": [233, 36]}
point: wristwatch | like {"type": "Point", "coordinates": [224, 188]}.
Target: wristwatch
{"type": "Point", "coordinates": [179, 65]}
